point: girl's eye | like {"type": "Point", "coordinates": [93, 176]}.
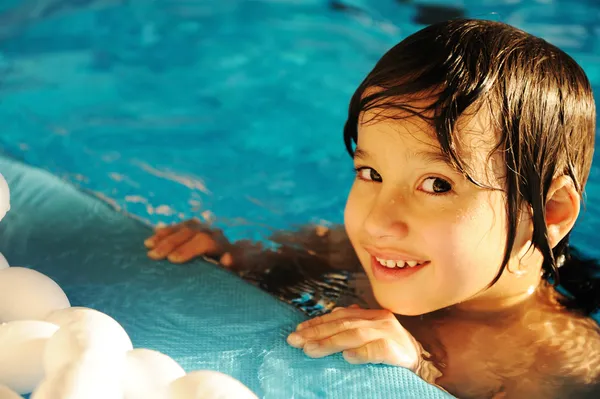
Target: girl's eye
{"type": "Point", "coordinates": [368, 174]}
{"type": "Point", "coordinates": [436, 185]}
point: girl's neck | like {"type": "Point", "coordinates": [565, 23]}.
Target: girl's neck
{"type": "Point", "coordinates": [512, 289]}
{"type": "Point", "coordinates": [494, 304]}
{"type": "Point", "coordinates": [543, 298]}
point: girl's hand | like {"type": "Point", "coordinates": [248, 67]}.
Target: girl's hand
{"type": "Point", "coordinates": [362, 335]}
{"type": "Point", "coordinates": [185, 241]}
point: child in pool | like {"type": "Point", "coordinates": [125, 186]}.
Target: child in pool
{"type": "Point", "coordinates": [472, 143]}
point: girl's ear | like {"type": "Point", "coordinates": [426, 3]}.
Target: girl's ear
{"type": "Point", "coordinates": [562, 209]}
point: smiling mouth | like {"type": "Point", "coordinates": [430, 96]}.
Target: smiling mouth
{"type": "Point", "coordinates": [391, 264]}
{"type": "Point", "coordinates": [397, 269]}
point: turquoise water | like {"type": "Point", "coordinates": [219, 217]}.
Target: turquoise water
{"type": "Point", "coordinates": [175, 109]}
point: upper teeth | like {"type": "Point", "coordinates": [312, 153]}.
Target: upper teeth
{"type": "Point", "coordinates": [397, 263]}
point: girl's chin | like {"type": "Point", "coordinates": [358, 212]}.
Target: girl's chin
{"type": "Point", "coordinates": [403, 307]}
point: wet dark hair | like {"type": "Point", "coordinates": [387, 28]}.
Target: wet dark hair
{"type": "Point", "coordinates": [541, 103]}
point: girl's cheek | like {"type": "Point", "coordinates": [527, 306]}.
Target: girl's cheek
{"type": "Point", "coordinates": [352, 215]}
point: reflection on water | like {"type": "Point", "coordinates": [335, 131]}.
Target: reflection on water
{"type": "Point", "coordinates": [231, 107]}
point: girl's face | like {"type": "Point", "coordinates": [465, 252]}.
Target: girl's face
{"type": "Point", "coordinates": [409, 205]}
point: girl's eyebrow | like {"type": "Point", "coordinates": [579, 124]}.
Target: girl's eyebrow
{"type": "Point", "coordinates": [428, 156]}
{"type": "Point", "coordinates": [360, 154]}
{"type": "Point", "coordinates": [433, 156]}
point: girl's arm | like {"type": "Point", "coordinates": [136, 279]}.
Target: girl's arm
{"type": "Point", "coordinates": [313, 268]}
{"type": "Point", "coordinates": [191, 239]}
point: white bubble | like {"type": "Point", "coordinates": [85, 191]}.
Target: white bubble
{"type": "Point", "coordinates": [3, 262]}
{"type": "Point", "coordinates": [7, 393]}
{"type": "Point", "coordinates": [207, 384]}
{"type": "Point", "coordinates": [83, 330]}
{"type": "Point", "coordinates": [4, 197]}
{"type": "Point", "coordinates": [88, 377]}
{"type": "Point", "coordinates": [26, 294]}
{"type": "Point", "coordinates": [148, 373]}
{"type": "Point", "coordinates": [22, 346]}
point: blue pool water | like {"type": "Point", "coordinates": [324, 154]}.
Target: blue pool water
{"type": "Point", "coordinates": [171, 109]}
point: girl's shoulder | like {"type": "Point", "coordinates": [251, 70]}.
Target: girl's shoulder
{"type": "Point", "coordinates": [537, 349]}
{"type": "Point", "coordinates": [567, 342]}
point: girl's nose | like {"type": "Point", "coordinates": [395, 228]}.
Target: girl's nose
{"type": "Point", "coordinates": [387, 219]}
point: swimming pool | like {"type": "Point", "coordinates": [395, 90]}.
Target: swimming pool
{"type": "Point", "coordinates": [234, 109]}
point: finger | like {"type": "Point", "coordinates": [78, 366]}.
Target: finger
{"type": "Point", "coordinates": [170, 242]}
{"type": "Point", "coordinates": [322, 331]}
{"type": "Point", "coordinates": [354, 313]}
{"type": "Point", "coordinates": [226, 260]}
{"type": "Point", "coordinates": [197, 245]}
{"type": "Point", "coordinates": [353, 306]}
{"type": "Point", "coordinates": [348, 339]}
{"type": "Point", "coordinates": [159, 234]}
{"type": "Point", "coordinates": [380, 351]}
